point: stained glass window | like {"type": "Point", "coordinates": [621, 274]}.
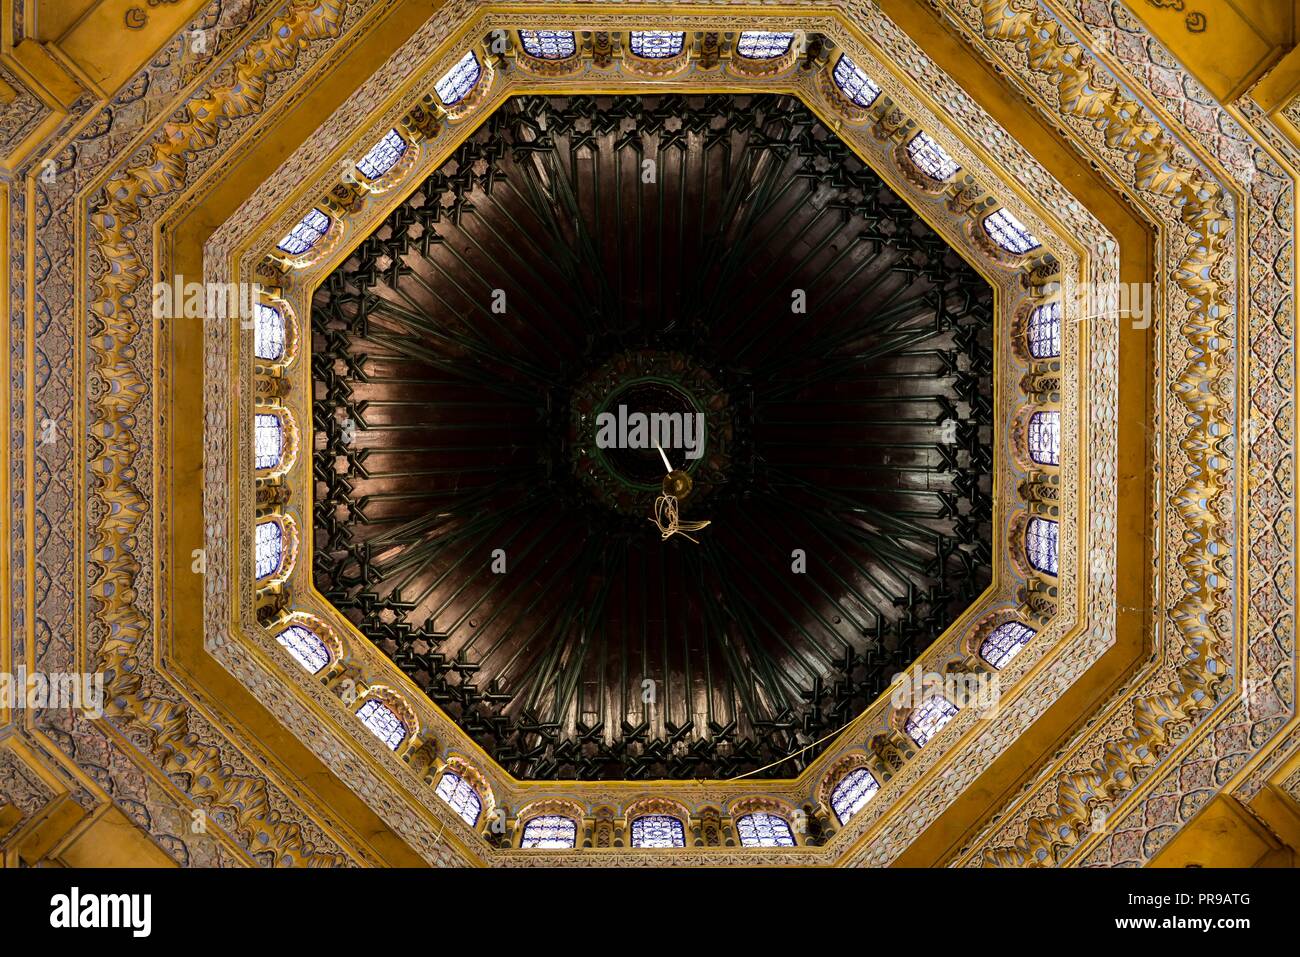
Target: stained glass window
{"type": "Point", "coordinates": [1045, 331]}
{"type": "Point", "coordinates": [1045, 438]}
{"type": "Point", "coordinates": [270, 548]}
{"type": "Point", "coordinates": [932, 159]}
{"type": "Point", "coordinates": [550, 830]}
{"type": "Point", "coordinates": [268, 332]}
{"type": "Point", "coordinates": [763, 44]}
{"type": "Point", "coordinates": [852, 793]}
{"type": "Point", "coordinates": [928, 718]}
{"type": "Point", "coordinates": [268, 441]}
{"type": "Point", "coordinates": [761, 829]}
{"type": "Point", "coordinates": [306, 648]}
{"type": "Point", "coordinates": [459, 80]}
{"type": "Point", "coordinates": [548, 44]}
{"type": "Point", "coordinates": [1009, 233]}
{"type": "Point", "coordinates": [383, 724]}
{"type": "Point", "coordinates": [657, 44]}
{"type": "Point", "coordinates": [853, 83]}
{"type": "Point", "coordinates": [306, 234]}
{"type": "Point", "coordinates": [383, 156]}
{"type": "Point", "coordinates": [1040, 544]}
{"type": "Point", "coordinates": [658, 830]}
{"type": "Point", "coordinates": [1005, 642]}
{"type": "Point", "coordinates": [461, 796]}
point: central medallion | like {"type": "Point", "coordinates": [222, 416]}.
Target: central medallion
{"type": "Point", "coordinates": [633, 406]}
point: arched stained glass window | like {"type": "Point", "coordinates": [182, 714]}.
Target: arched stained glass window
{"type": "Point", "coordinates": [548, 44]}
{"type": "Point", "coordinates": [853, 83]}
{"type": "Point", "coordinates": [550, 830]}
{"type": "Point", "coordinates": [1045, 331]}
{"type": "Point", "coordinates": [928, 719]}
{"type": "Point", "coordinates": [1009, 233]}
{"type": "Point", "coordinates": [657, 44]}
{"type": "Point", "coordinates": [461, 796]}
{"type": "Point", "coordinates": [268, 332]}
{"type": "Point", "coordinates": [459, 80]}
{"type": "Point", "coordinates": [1041, 544]}
{"type": "Point", "coordinates": [268, 441]}
{"type": "Point", "coordinates": [269, 548]}
{"type": "Point", "coordinates": [761, 829]}
{"type": "Point", "coordinates": [931, 158]}
{"type": "Point", "coordinates": [658, 830]}
{"type": "Point", "coordinates": [307, 649]}
{"type": "Point", "coordinates": [852, 793]}
{"type": "Point", "coordinates": [763, 44]}
{"type": "Point", "coordinates": [306, 234]}
{"type": "Point", "coordinates": [1005, 642]}
{"type": "Point", "coordinates": [1045, 438]}
{"type": "Point", "coordinates": [383, 724]}
{"type": "Point", "coordinates": [383, 156]}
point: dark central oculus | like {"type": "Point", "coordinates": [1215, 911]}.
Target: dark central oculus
{"type": "Point", "coordinates": [467, 523]}
{"type": "Point", "coordinates": [638, 396]}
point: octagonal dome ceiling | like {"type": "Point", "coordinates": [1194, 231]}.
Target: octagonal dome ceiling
{"type": "Point", "coordinates": [582, 260]}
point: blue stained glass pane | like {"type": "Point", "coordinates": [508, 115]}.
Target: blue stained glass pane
{"type": "Point", "coordinates": [1010, 233]}
{"type": "Point", "coordinates": [270, 548]}
{"type": "Point", "coordinates": [657, 44]}
{"type": "Point", "coordinates": [763, 44]}
{"type": "Point", "coordinates": [1041, 544]}
{"type": "Point", "coordinates": [761, 829]}
{"type": "Point", "coordinates": [268, 441]}
{"type": "Point", "coordinates": [853, 83]}
{"type": "Point", "coordinates": [548, 44]}
{"type": "Point", "coordinates": [268, 332]}
{"type": "Point", "coordinates": [854, 790]}
{"type": "Point", "coordinates": [928, 719]}
{"type": "Point", "coordinates": [931, 158]}
{"type": "Point", "coordinates": [459, 80]}
{"type": "Point", "coordinates": [307, 649]}
{"type": "Point", "coordinates": [461, 796]}
{"type": "Point", "coordinates": [550, 830]}
{"type": "Point", "coordinates": [1005, 642]}
{"type": "Point", "coordinates": [658, 830]}
{"type": "Point", "coordinates": [1045, 438]}
{"type": "Point", "coordinates": [306, 234]}
{"type": "Point", "coordinates": [1045, 331]}
{"type": "Point", "coordinates": [383, 724]}
{"type": "Point", "coordinates": [383, 156]}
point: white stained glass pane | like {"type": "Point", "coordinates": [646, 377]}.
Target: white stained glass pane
{"type": "Point", "coordinates": [1005, 642]}
{"type": "Point", "coordinates": [383, 724]}
{"type": "Point", "coordinates": [763, 44]}
{"type": "Point", "coordinates": [931, 158]}
{"type": "Point", "coordinates": [548, 44]}
{"type": "Point", "coordinates": [853, 83]}
{"type": "Point", "coordinates": [550, 830]}
{"type": "Point", "coordinates": [459, 80]}
{"type": "Point", "coordinates": [306, 234]}
{"type": "Point", "coordinates": [383, 156]}
{"type": "Point", "coordinates": [270, 548]}
{"type": "Point", "coordinates": [657, 44]}
{"type": "Point", "coordinates": [761, 829]}
{"type": "Point", "coordinates": [1045, 438]}
{"type": "Point", "coordinates": [1009, 233]}
{"type": "Point", "coordinates": [658, 830]}
{"type": "Point", "coordinates": [1040, 544]}
{"type": "Point", "coordinates": [268, 332]}
{"type": "Point", "coordinates": [852, 793]}
{"type": "Point", "coordinates": [268, 441]}
{"type": "Point", "coordinates": [1045, 331]}
{"type": "Point", "coordinates": [307, 649]}
{"type": "Point", "coordinates": [929, 718]}
{"type": "Point", "coordinates": [461, 796]}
